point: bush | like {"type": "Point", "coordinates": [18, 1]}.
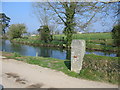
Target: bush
{"type": "Point", "coordinates": [16, 30]}
{"type": "Point", "coordinates": [45, 34]}
{"type": "Point", "coordinates": [116, 37]}
{"type": "Point", "coordinates": [16, 54]}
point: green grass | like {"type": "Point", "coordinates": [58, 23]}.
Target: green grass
{"type": "Point", "coordinates": [104, 40]}
{"type": "Point", "coordinates": [93, 46]}
{"type": "Point", "coordinates": [97, 68]}
{"type": "Point", "coordinates": [35, 40]}
{"type": "Point", "coordinates": [88, 36]}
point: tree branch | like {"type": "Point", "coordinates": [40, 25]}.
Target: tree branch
{"type": "Point", "coordinates": [56, 12]}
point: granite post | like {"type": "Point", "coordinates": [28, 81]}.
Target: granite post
{"type": "Point", "coordinates": [77, 55]}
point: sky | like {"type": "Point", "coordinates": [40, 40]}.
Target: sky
{"type": "Point", "coordinates": [22, 12]}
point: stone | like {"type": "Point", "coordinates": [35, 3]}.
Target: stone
{"type": "Point", "coordinates": [77, 55]}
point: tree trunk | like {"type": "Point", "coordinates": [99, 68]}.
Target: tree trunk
{"type": "Point", "coordinates": [69, 24]}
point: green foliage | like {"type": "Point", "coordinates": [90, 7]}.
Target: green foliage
{"type": "Point", "coordinates": [69, 23]}
{"type": "Point", "coordinates": [16, 30]}
{"type": "Point", "coordinates": [4, 22]}
{"type": "Point", "coordinates": [16, 54]}
{"type": "Point", "coordinates": [116, 37]}
{"type": "Point", "coordinates": [45, 34]}
{"type": "Point", "coordinates": [102, 67]}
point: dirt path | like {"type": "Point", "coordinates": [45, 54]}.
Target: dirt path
{"type": "Point", "coordinates": [17, 74]}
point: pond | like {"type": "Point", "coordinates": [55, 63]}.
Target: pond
{"type": "Point", "coordinates": [27, 50]}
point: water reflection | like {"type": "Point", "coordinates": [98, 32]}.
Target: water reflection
{"type": "Point", "coordinates": [102, 53]}
{"type": "Point", "coordinates": [31, 50]}
{"type": "Point", "coordinates": [44, 51]}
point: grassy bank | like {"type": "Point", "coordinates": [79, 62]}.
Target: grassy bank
{"type": "Point", "coordinates": [37, 42]}
{"type": "Point", "coordinates": [99, 47]}
{"type": "Point", "coordinates": [94, 41]}
{"type": "Point", "coordinates": [98, 68]}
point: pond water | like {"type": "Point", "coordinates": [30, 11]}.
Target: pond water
{"type": "Point", "coordinates": [27, 50]}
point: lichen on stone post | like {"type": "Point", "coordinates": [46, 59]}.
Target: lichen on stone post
{"type": "Point", "coordinates": [77, 55]}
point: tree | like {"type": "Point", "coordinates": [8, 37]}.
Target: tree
{"type": "Point", "coordinates": [116, 37]}
{"type": "Point", "coordinates": [16, 30]}
{"type": "Point", "coordinates": [73, 14]}
{"type": "Point", "coordinates": [46, 29]}
{"type": "Point", "coordinates": [45, 34]}
{"type": "Point", "coordinates": [4, 22]}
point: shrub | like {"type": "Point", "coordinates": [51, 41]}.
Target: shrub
{"type": "Point", "coordinates": [45, 34]}
{"type": "Point", "coordinates": [16, 30]}
{"type": "Point", "coordinates": [16, 54]}
{"type": "Point", "coordinates": [116, 37]}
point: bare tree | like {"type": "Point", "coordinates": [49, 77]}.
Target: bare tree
{"type": "Point", "coordinates": [74, 14]}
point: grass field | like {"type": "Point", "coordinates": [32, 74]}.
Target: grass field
{"type": "Point", "coordinates": [88, 36]}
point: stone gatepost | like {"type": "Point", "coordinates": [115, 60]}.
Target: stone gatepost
{"type": "Point", "coordinates": [77, 54]}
